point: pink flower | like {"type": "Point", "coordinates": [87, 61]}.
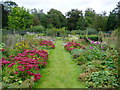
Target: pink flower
{"type": "Point", "coordinates": [20, 66]}
{"type": "Point", "coordinates": [5, 62]}
{"type": "Point", "coordinates": [20, 69]}
{"type": "Point", "coordinates": [92, 42]}
{"type": "Point", "coordinates": [16, 73]}
{"type": "Point", "coordinates": [11, 64]}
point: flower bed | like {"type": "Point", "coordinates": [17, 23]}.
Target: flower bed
{"type": "Point", "coordinates": [47, 44]}
{"type": "Point", "coordinates": [21, 66]}
{"type": "Point", "coordinates": [73, 45]}
{"type": "Point", "coordinates": [26, 64]}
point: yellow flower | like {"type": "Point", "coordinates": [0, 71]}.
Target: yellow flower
{"type": "Point", "coordinates": [16, 44]}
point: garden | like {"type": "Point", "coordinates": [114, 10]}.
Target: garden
{"type": "Point", "coordinates": [53, 50]}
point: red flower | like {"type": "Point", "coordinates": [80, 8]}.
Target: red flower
{"type": "Point", "coordinates": [2, 50]}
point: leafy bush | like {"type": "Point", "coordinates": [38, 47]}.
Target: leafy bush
{"type": "Point", "coordinates": [95, 62]}
{"type": "Point", "coordinates": [91, 31]}
{"type": "Point", "coordinates": [102, 79]}
{"type": "Point", "coordinates": [76, 52]}
{"type": "Point", "coordinates": [91, 37]}
{"type": "Point", "coordinates": [39, 29]}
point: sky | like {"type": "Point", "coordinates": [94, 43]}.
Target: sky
{"type": "Point", "coordinates": [66, 5]}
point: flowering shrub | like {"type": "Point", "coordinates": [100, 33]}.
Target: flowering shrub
{"type": "Point", "coordinates": [27, 62]}
{"type": "Point", "coordinates": [47, 44]}
{"type": "Point", "coordinates": [73, 45]}
{"type": "Point", "coordinates": [23, 66]}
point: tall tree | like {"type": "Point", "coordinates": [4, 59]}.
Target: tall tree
{"type": "Point", "coordinates": [89, 16]}
{"type": "Point", "coordinates": [9, 4]}
{"type": "Point", "coordinates": [4, 17]}
{"type": "Point", "coordinates": [72, 18]}
{"type": "Point", "coordinates": [6, 8]}
{"type": "Point", "coordinates": [56, 18]}
{"type": "Point", "coordinates": [40, 17]}
{"type": "Point", "coordinates": [114, 18]}
{"type": "Point", "coordinates": [100, 22]}
{"type": "Point", "coordinates": [112, 22]}
{"type": "Point", "coordinates": [81, 24]}
{"type": "Point", "coordinates": [36, 20]}
{"type": "Point", "coordinates": [19, 18]}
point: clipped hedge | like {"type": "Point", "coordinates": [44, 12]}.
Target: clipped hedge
{"type": "Point", "coordinates": [91, 37]}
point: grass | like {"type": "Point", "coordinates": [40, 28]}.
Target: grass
{"type": "Point", "coordinates": [61, 72]}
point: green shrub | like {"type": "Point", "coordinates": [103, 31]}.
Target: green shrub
{"type": "Point", "coordinates": [91, 37]}
{"type": "Point", "coordinates": [38, 29]}
{"type": "Point", "coordinates": [91, 31]}
{"type": "Point", "coordinates": [102, 79]}
{"type": "Point", "coordinates": [76, 52]}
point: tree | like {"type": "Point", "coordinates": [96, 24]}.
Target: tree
{"type": "Point", "coordinates": [100, 22]}
{"type": "Point", "coordinates": [40, 17]}
{"type": "Point", "coordinates": [72, 18]}
{"type": "Point", "coordinates": [19, 18]}
{"type": "Point", "coordinates": [114, 18]}
{"type": "Point", "coordinates": [81, 24]}
{"type": "Point", "coordinates": [6, 8]}
{"type": "Point", "coordinates": [4, 16]}
{"type": "Point", "coordinates": [9, 4]}
{"type": "Point", "coordinates": [36, 20]}
{"type": "Point", "coordinates": [112, 22]}
{"type": "Point", "coordinates": [56, 18]}
{"type": "Point", "coordinates": [89, 16]}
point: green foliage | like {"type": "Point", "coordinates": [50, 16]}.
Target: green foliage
{"type": "Point", "coordinates": [81, 24]}
{"type": "Point", "coordinates": [72, 18]}
{"type": "Point", "coordinates": [56, 32]}
{"type": "Point", "coordinates": [9, 4]}
{"type": "Point", "coordinates": [99, 66]}
{"type": "Point", "coordinates": [91, 31]}
{"type": "Point", "coordinates": [19, 18]}
{"type": "Point", "coordinates": [101, 79]}
{"type": "Point", "coordinates": [100, 22]}
{"type": "Point", "coordinates": [36, 21]}
{"type": "Point", "coordinates": [92, 37]}
{"type": "Point", "coordinates": [89, 16]}
{"type": "Point", "coordinates": [76, 52]}
{"type": "Point", "coordinates": [56, 18]}
{"type": "Point", "coordinates": [40, 18]}
{"type": "Point", "coordinates": [112, 20]}
{"type": "Point", "coordinates": [2, 45]}
{"type": "Point", "coordinates": [39, 29]}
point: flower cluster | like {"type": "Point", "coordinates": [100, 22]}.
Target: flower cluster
{"type": "Point", "coordinates": [47, 43]}
{"type": "Point", "coordinates": [73, 45]}
{"type": "Point", "coordinates": [93, 42]}
{"type": "Point", "coordinates": [27, 62]}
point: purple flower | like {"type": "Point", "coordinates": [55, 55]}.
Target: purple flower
{"type": "Point", "coordinates": [92, 42]}
{"type": "Point", "coordinates": [97, 42]}
{"type": "Point", "coordinates": [102, 47]}
{"type": "Point", "coordinates": [91, 47]}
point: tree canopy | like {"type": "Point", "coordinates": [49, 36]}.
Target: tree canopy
{"type": "Point", "coordinates": [19, 18]}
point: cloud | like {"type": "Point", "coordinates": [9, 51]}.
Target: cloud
{"type": "Point", "coordinates": [67, 5]}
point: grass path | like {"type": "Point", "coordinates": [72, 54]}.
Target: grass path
{"type": "Point", "coordinates": [61, 72]}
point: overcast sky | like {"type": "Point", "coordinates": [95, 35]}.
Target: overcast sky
{"type": "Point", "coordinates": [66, 5]}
